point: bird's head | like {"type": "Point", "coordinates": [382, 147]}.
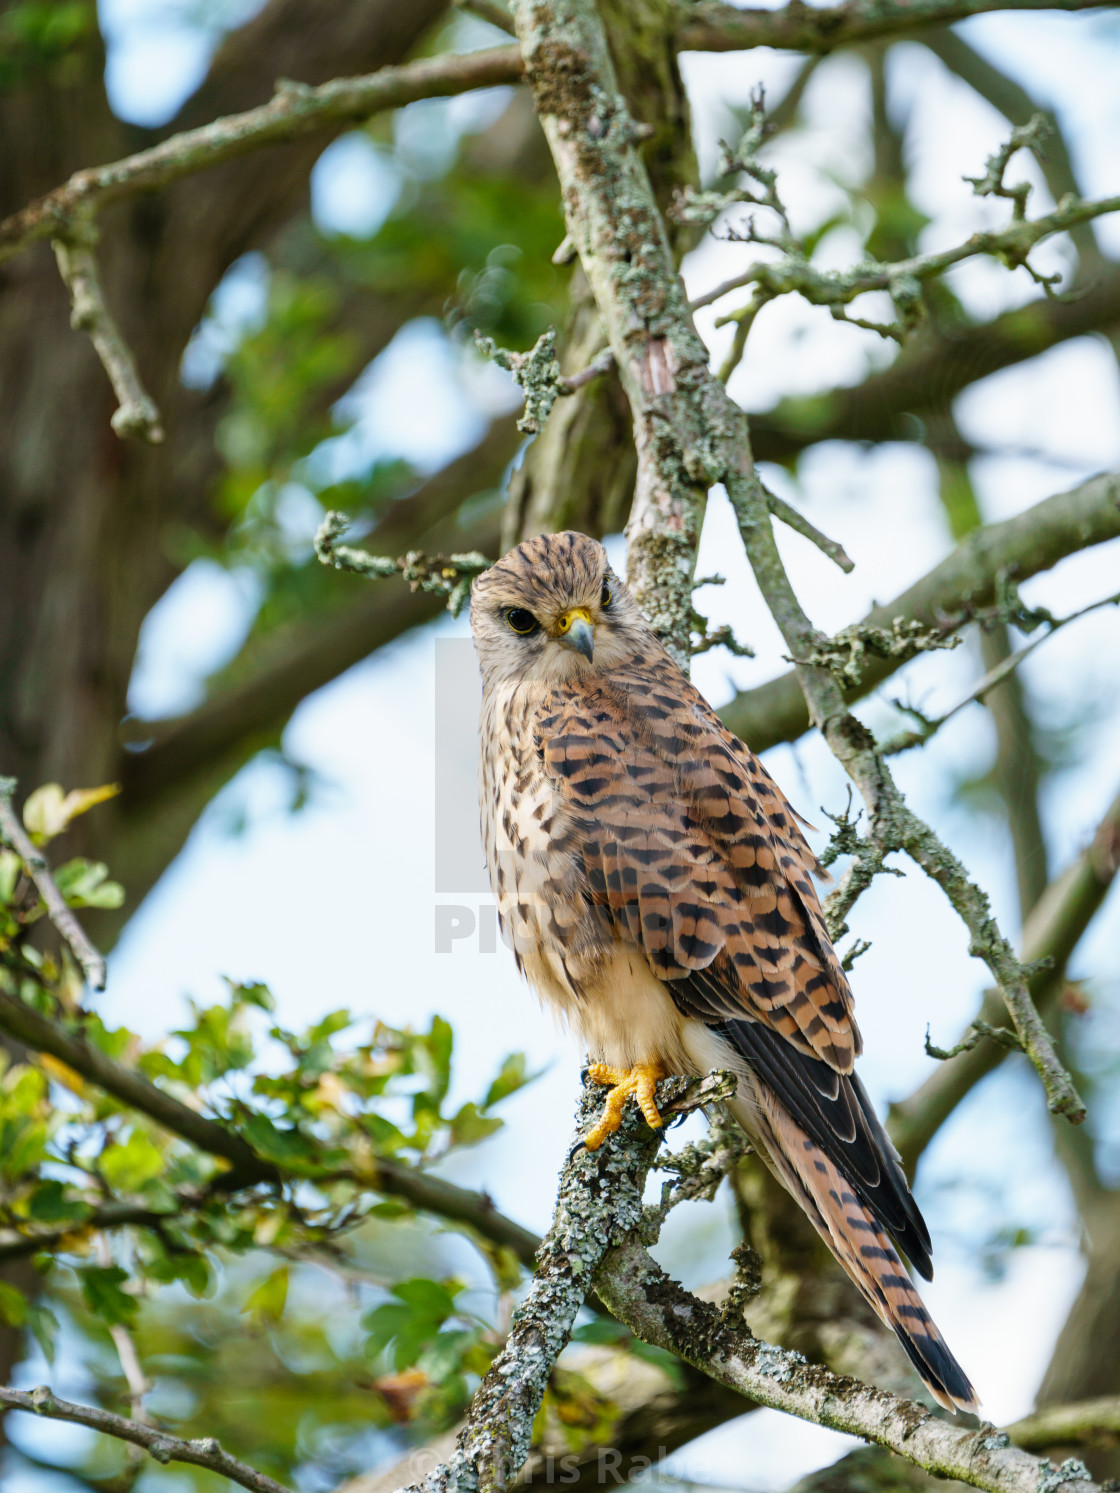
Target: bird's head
{"type": "Point", "coordinates": [551, 609]}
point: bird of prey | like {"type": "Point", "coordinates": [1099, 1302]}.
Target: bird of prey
{"type": "Point", "coordinates": [655, 887]}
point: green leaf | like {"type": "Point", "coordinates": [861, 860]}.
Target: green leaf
{"type": "Point", "coordinates": [266, 1301]}
{"type": "Point", "coordinates": [432, 1297]}
{"type": "Point", "coordinates": [10, 868]}
{"type": "Point", "coordinates": [101, 1287]}
{"type": "Point", "coordinates": [51, 1203]}
{"type": "Point", "coordinates": [128, 1165]}
{"type": "Point", "coordinates": [511, 1077]}
{"type": "Point", "coordinates": [251, 993]}
{"type": "Point", "coordinates": [13, 1305]}
{"type": "Point", "coordinates": [285, 1147]}
{"type": "Point", "coordinates": [470, 1125]}
{"type": "Point", "coordinates": [85, 884]}
{"type": "Point", "coordinates": [383, 1323]}
{"type": "Point", "coordinates": [43, 1324]}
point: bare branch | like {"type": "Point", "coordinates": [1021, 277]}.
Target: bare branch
{"type": "Point", "coordinates": [983, 686]}
{"type": "Point", "coordinates": [713, 27]}
{"type": "Point", "coordinates": [440, 575]}
{"type": "Point", "coordinates": [894, 825]}
{"type": "Point", "coordinates": [797, 521]}
{"type": "Point", "coordinates": [838, 288]}
{"type": "Point", "coordinates": [1068, 1425]}
{"type": "Point", "coordinates": [204, 1452]}
{"type": "Point", "coordinates": [595, 1237]}
{"type": "Point", "coordinates": [663, 1313]}
{"type": "Point", "coordinates": [964, 581]}
{"type": "Point", "coordinates": [136, 415]}
{"type": "Point", "coordinates": [294, 111]}
{"type": "Point", "coordinates": [1051, 934]}
{"type": "Point", "coordinates": [13, 833]}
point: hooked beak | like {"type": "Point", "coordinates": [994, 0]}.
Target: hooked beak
{"type": "Point", "coordinates": [576, 630]}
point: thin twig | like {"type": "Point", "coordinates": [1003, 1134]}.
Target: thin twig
{"type": "Point", "coordinates": [986, 684]}
{"type": "Point", "coordinates": [205, 1452]}
{"type": "Point", "coordinates": [298, 110]}
{"type": "Point", "coordinates": [602, 364]}
{"type": "Point", "coordinates": [136, 415]}
{"type": "Point", "coordinates": [442, 575]}
{"type": "Point", "coordinates": [894, 825]}
{"type": "Point", "coordinates": [13, 833]}
{"type": "Point", "coordinates": [801, 525]}
{"type": "Point", "coordinates": [837, 288]}
{"type": "Point", "coordinates": [965, 581]}
{"type": "Point", "coordinates": [713, 27]}
{"type": "Point", "coordinates": [295, 110]}
{"type": "Point", "coordinates": [1051, 934]}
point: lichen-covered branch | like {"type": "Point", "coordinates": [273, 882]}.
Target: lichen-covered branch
{"type": "Point", "coordinates": [13, 834]}
{"type": "Point", "coordinates": [294, 111]}
{"type": "Point", "coordinates": [136, 415]}
{"type": "Point", "coordinates": [929, 726]}
{"type": "Point", "coordinates": [689, 435]}
{"type": "Point", "coordinates": [596, 1239]}
{"type": "Point", "coordinates": [163, 1448]}
{"type": "Point", "coordinates": [661, 1312]}
{"type": "Point", "coordinates": [893, 824]}
{"type": "Point", "coordinates": [795, 520]}
{"type": "Point", "coordinates": [599, 1204]}
{"type": "Point", "coordinates": [440, 575]}
{"type": "Point", "coordinates": [963, 583]}
{"type": "Point", "coordinates": [299, 110]}
{"type": "Point", "coordinates": [614, 223]}
{"type": "Point", "coordinates": [835, 289]}
{"type": "Point", "coordinates": [1051, 934]}
{"type": "Point", "coordinates": [793, 271]}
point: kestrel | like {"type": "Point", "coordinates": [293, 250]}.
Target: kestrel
{"type": "Point", "coordinates": [655, 887]}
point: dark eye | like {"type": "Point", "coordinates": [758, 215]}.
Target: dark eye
{"type": "Point", "coordinates": [521, 621]}
{"type": "Point", "coordinates": [605, 598]}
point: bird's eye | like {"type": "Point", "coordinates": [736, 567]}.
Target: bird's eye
{"type": "Point", "coordinates": [606, 597]}
{"type": "Point", "coordinates": [521, 621]}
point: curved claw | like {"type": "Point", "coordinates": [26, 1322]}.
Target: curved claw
{"type": "Point", "coordinates": [640, 1081]}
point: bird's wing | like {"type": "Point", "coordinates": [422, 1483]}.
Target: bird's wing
{"type": "Point", "coordinates": [692, 850]}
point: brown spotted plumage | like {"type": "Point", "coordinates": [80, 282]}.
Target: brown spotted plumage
{"type": "Point", "coordinates": [656, 889]}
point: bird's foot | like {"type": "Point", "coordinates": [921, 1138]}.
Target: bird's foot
{"type": "Point", "coordinates": [640, 1081]}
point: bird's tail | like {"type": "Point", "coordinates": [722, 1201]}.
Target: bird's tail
{"type": "Point", "coordinates": [859, 1242]}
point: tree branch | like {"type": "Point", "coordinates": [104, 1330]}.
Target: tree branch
{"type": "Point", "coordinates": [931, 370]}
{"type": "Point", "coordinates": [1052, 932]}
{"type": "Point", "coordinates": [136, 415]}
{"type": "Point", "coordinates": [964, 581]}
{"type": "Point", "coordinates": [204, 1452]}
{"type": "Point", "coordinates": [13, 833]}
{"type": "Point", "coordinates": [600, 1199]}
{"type": "Point", "coordinates": [276, 673]}
{"type": "Point", "coordinates": [712, 27]}
{"type": "Point", "coordinates": [599, 1203]}
{"type": "Point", "coordinates": [421, 1190]}
{"type": "Point", "coordinates": [894, 825]}
{"type": "Point", "coordinates": [295, 110]}
{"type": "Point", "coordinates": [1068, 1425]}
{"type": "Point", "coordinates": [661, 1312]}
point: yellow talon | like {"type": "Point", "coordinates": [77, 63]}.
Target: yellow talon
{"type": "Point", "coordinates": [641, 1081]}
